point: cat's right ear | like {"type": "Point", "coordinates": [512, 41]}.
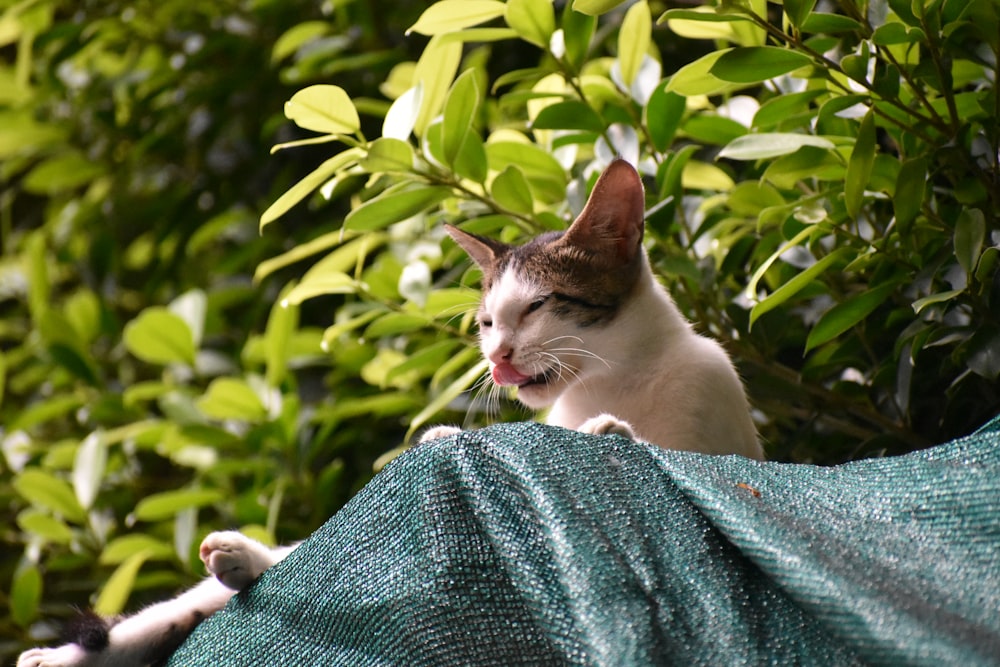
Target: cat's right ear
{"type": "Point", "coordinates": [483, 251]}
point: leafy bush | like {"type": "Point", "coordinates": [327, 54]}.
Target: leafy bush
{"type": "Point", "coordinates": [822, 197]}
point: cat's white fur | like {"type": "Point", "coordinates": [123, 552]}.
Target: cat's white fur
{"type": "Point", "coordinates": [647, 376]}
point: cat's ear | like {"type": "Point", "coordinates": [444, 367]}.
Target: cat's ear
{"type": "Point", "coordinates": [483, 251]}
{"type": "Point", "coordinates": [611, 223]}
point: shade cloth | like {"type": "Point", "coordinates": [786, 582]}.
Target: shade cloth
{"type": "Point", "coordinates": [527, 544]}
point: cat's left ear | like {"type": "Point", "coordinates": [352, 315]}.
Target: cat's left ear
{"type": "Point", "coordinates": [611, 223]}
{"type": "Point", "coordinates": [482, 250]}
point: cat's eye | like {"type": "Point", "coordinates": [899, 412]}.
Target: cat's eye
{"type": "Point", "coordinates": [485, 323]}
{"type": "Point", "coordinates": [536, 304]}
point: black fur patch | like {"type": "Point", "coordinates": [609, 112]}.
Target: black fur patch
{"type": "Point", "coordinates": [89, 631]}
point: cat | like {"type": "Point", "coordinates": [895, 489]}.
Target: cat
{"type": "Point", "coordinates": [577, 322]}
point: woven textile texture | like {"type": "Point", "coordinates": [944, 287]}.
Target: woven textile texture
{"type": "Point", "coordinates": [532, 545]}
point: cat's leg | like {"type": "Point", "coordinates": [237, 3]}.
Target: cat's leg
{"type": "Point", "coordinates": [436, 432]}
{"type": "Point", "coordinates": [604, 424]}
{"type": "Point", "coordinates": [152, 634]}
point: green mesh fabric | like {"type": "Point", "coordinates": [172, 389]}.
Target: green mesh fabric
{"type": "Point", "coordinates": [528, 544]}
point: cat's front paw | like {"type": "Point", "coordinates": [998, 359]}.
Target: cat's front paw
{"type": "Point", "coordinates": [67, 655]}
{"type": "Point", "coordinates": [234, 559]}
{"type": "Point", "coordinates": [435, 432]}
{"type": "Point", "coordinates": [605, 424]}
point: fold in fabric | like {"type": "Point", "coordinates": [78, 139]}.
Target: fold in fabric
{"type": "Point", "coordinates": [526, 544]}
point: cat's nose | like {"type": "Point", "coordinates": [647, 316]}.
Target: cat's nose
{"type": "Point", "coordinates": [501, 354]}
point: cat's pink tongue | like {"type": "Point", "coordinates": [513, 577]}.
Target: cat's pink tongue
{"type": "Point", "coordinates": [506, 374]}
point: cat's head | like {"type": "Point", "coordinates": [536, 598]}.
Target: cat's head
{"type": "Point", "coordinates": [547, 303]}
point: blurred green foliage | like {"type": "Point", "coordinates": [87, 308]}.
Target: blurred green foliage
{"type": "Point", "coordinates": [196, 335]}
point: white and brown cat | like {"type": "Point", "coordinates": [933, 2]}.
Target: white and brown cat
{"type": "Point", "coordinates": [579, 324]}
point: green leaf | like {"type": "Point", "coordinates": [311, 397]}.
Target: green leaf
{"type": "Point", "coordinates": [633, 40]}
{"type": "Point", "coordinates": [908, 197]}
{"type": "Point", "coordinates": [859, 167]}
{"type": "Point", "coordinates": [663, 115]}
{"type": "Point", "coordinates": [940, 297]}
{"type": "Point", "coordinates": [510, 189]}
{"type": "Point", "coordinates": [845, 315]}
{"type": "Point", "coordinates": [798, 283]}
{"type": "Point", "coordinates": [544, 173]}
{"type": "Point", "coordinates": [122, 548]}
{"type": "Point", "coordinates": [578, 30]}
{"type": "Point", "coordinates": [165, 505]}
{"type": "Point", "coordinates": [568, 115]}
{"type": "Point", "coordinates": [533, 20]}
{"type": "Point", "coordinates": [450, 15]}
{"type": "Point", "coordinates": [25, 594]}
{"type": "Point", "coordinates": [471, 160]}
{"type": "Point", "coordinates": [460, 110]}
{"type": "Point", "coordinates": [394, 206]}
{"type": "Point", "coordinates": [806, 164]}
{"type": "Point", "coordinates": [695, 78]}
{"type": "Point", "coordinates": [61, 173]}
{"type": "Point", "coordinates": [434, 73]}
{"type": "Point", "coordinates": [771, 144]}
{"type": "Point", "coordinates": [754, 64]}
{"type": "Point", "coordinates": [116, 591]}
{"type": "Point", "coordinates": [819, 22]}
{"type": "Point", "coordinates": [446, 396]}
{"type": "Point", "coordinates": [323, 108]}
{"type": "Point", "coordinates": [970, 231]}
{"type": "Point", "coordinates": [45, 526]}
{"type": "Point", "coordinates": [45, 490]}
{"type": "Point", "coordinates": [387, 155]}
{"type": "Point", "coordinates": [310, 183]}
{"type": "Point", "coordinates": [231, 398]}
{"type": "Point", "coordinates": [320, 283]}
{"type": "Point", "coordinates": [88, 469]}
{"type": "Point", "coordinates": [158, 336]}
{"type": "Point", "coordinates": [595, 7]}
{"type": "Point", "coordinates": [798, 10]}
{"type": "Point", "coordinates": [282, 322]}
{"type": "Point", "coordinates": [710, 129]}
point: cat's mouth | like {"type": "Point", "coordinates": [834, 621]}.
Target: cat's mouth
{"type": "Point", "coordinates": [505, 375]}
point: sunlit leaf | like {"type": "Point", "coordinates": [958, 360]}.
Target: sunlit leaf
{"type": "Point", "coordinates": [633, 40]}
{"type": "Point", "coordinates": [511, 190]}
{"type": "Point", "coordinates": [451, 15]}
{"type": "Point", "coordinates": [165, 505]}
{"type": "Point", "coordinates": [754, 64]}
{"type": "Point", "coordinates": [798, 283]}
{"type": "Point", "coordinates": [595, 7]}
{"type": "Point", "coordinates": [321, 284]}
{"type": "Point", "coordinates": [388, 155]}
{"type": "Point", "coordinates": [771, 144]}
{"type": "Point", "coordinates": [45, 526]}
{"type": "Point", "coordinates": [158, 336]}
{"type": "Point", "coordinates": [394, 206]}
{"type": "Point", "coordinates": [460, 109]}
{"type": "Point", "coordinates": [446, 396]}
{"type": "Point", "coordinates": [402, 116]}
{"type": "Point", "coordinates": [45, 490]}
{"type": "Point", "coordinates": [309, 184]}
{"type": "Point", "coordinates": [122, 548]}
{"type": "Point", "coordinates": [231, 398]}
{"type": "Point", "coordinates": [88, 469]}
{"type": "Point", "coordinates": [323, 108]}
{"type": "Point", "coordinates": [117, 589]}
{"type": "Point", "coordinates": [695, 78]}
{"type": "Point", "coordinates": [434, 73]}
{"type": "Point", "coordinates": [533, 20]}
